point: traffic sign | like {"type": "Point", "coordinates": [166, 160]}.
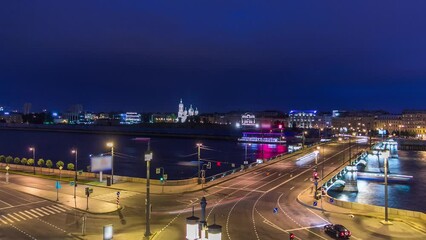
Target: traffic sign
{"type": "Point", "coordinates": [72, 183]}
{"type": "Point", "coordinates": [58, 185]}
{"type": "Point", "coordinates": [331, 200]}
{"type": "Point", "coordinates": [315, 203]}
{"type": "Point", "coordinates": [316, 183]}
{"type": "Point", "coordinates": [232, 164]}
{"type": "Point", "coordinates": [275, 210]}
{"type": "Point", "coordinates": [165, 176]}
{"type": "Point", "coordinates": [245, 162]}
{"type": "Point", "coordinates": [118, 193]}
{"type": "Point", "coordinates": [157, 171]}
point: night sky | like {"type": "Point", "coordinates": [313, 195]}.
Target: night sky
{"type": "Point", "coordinates": [217, 55]}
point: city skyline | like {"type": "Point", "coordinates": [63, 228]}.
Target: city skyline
{"type": "Point", "coordinates": [220, 56]}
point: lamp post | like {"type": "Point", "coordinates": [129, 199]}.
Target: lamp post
{"type": "Point", "coordinates": [148, 158]}
{"type": "Point", "coordinates": [75, 152]}
{"type": "Point", "coordinates": [60, 173]}
{"type": "Point", "coordinates": [32, 149]}
{"type": "Point", "coordinates": [199, 145]}
{"type": "Point", "coordinates": [111, 145]}
{"type": "Point", "coordinates": [385, 155]}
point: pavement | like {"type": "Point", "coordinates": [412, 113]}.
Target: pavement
{"type": "Point", "coordinates": [400, 227]}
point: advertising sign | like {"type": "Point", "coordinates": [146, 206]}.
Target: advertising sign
{"type": "Point", "coordinates": [101, 163]}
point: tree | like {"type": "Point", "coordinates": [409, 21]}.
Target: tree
{"type": "Point", "coordinates": [40, 163]}
{"type": "Point", "coordinates": [9, 159]}
{"type": "Point", "coordinates": [70, 166]}
{"type": "Point", "coordinates": [59, 164]}
{"type": "Point", "coordinates": [24, 161]}
{"type": "Point", "coordinates": [2, 158]}
{"type": "Point", "coordinates": [30, 162]}
{"type": "Point", "coordinates": [16, 160]}
{"type": "Point", "coordinates": [49, 163]}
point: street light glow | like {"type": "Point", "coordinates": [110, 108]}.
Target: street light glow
{"type": "Point", "coordinates": [110, 144]}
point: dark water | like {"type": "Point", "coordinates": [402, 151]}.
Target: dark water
{"type": "Point", "coordinates": [409, 196]}
{"type": "Point", "coordinates": [177, 156]}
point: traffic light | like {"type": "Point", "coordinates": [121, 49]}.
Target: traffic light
{"type": "Point", "coordinates": [88, 191]}
{"type": "Point", "coordinates": [291, 236]}
{"type": "Point", "coordinates": [316, 175]}
{"type": "Point", "coordinates": [218, 164]}
{"type": "Point", "coordinates": [161, 179]}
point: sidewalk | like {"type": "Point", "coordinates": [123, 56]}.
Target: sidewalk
{"type": "Point", "coordinates": [396, 230]}
{"type": "Point", "coordinates": [95, 206]}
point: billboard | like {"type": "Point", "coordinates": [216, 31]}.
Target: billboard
{"type": "Point", "coordinates": [100, 163]}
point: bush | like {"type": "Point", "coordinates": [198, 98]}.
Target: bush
{"type": "Point", "coordinates": [70, 166]}
{"type": "Point", "coordinates": [9, 159]}
{"type": "Point", "coordinates": [59, 164]}
{"type": "Point", "coordinates": [24, 161]}
{"type": "Point", "coordinates": [16, 160]}
{"type": "Point", "coordinates": [2, 158]}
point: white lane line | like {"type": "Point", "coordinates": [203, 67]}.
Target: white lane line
{"type": "Point", "coordinates": [305, 228]}
{"type": "Point", "coordinates": [240, 189]}
{"type": "Point", "coordinates": [37, 213]}
{"type": "Point", "coordinates": [10, 205]}
{"type": "Point", "coordinates": [16, 214]}
{"type": "Point", "coordinates": [60, 209]}
{"type": "Point", "coordinates": [13, 195]}
{"type": "Point", "coordinates": [35, 216]}
{"type": "Point", "coordinates": [306, 179]}
{"type": "Point", "coordinates": [3, 221]}
{"type": "Point", "coordinates": [29, 217]}
{"type": "Point", "coordinates": [24, 204]}
{"type": "Point", "coordinates": [11, 221]}
{"type": "Point", "coordinates": [317, 215]}
{"type": "Point", "coordinates": [62, 206]}
{"type": "Point", "coordinates": [53, 209]}
{"type": "Point", "coordinates": [10, 215]}
{"type": "Point", "coordinates": [23, 232]}
{"type": "Point", "coordinates": [291, 188]}
{"type": "Point", "coordinates": [47, 210]}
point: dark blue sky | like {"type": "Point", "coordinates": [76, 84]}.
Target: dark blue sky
{"type": "Point", "coordinates": [218, 55]}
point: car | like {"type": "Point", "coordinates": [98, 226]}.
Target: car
{"type": "Point", "coordinates": [338, 231]}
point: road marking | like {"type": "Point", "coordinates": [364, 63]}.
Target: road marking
{"type": "Point", "coordinates": [37, 213]}
{"type": "Point", "coordinates": [10, 205]}
{"type": "Point", "coordinates": [305, 179]}
{"type": "Point", "coordinates": [291, 188]}
{"type": "Point", "coordinates": [7, 219]}
{"type": "Point", "coordinates": [32, 214]}
{"type": "Point", "coordinates": [53, 209]}
{"type": "Point", "coordinates": [19, 216]}
{"type": "Point", "coordinates": [29, 217]}
{"type": "Point", "coordinates": [240, 189]}
{"type": "Point", "coordinates": [59, 208]}
{"type": "Point", "coordinates": [305, 228]}
{"type": "Point", "coordinates": [23, 232]}
{"type": "Point", "coordinates": [48, 210]}
{"type": "Point", "coordinates": [3, 221]}
{"type": "Point", "coordinates": [24, 204]}
{"type": "Point", "coordinates": [10, 215]}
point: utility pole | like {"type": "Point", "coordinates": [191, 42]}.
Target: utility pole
{"type": "Point", "coordinates": [148, 158]}
{"type": "Point", "coordinates": [199, 158]}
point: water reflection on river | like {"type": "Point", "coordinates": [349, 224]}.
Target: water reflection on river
{"type": "Point", "coordinates": [406, 196]}
{"type": "Point", "coordinates": [177, 156]}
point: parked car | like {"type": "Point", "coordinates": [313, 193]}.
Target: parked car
{"type": "Point", "coordinates": [338, 231]}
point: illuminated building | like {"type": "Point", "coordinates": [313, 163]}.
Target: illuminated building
{"type": "Point", "coordinates": [302, 119]}
{"type": "Point", "coordinates": [183, 114]}
{"type": "Point", "coordinates": [130, 118]}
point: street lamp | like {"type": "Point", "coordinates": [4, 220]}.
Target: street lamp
{"type": "Point", "coordinates": [75, 152]}
{"type": "Point", "coordinates": [385, 155]}
{"type": "Point", "coordinates": [148, 158]}
{"type": "Point", "coordinates": [199, 145]}
{"type": "Point", "coordinates": [111, 145]}
{"type": "Point", "coordinates": [32, 149]}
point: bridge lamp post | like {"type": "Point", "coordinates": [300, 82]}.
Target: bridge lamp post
{"type": "Point", "coordinates": [111, 145]}
{"type": "Point", "coordinates": [385, 155]}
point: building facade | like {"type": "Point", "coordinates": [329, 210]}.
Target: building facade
{"type": "Point", "coordinates": [414, 122]}
{"type": "Point", "coordinates": [302, 119]}
{"type": "Point", "coordinates": [183, 113]}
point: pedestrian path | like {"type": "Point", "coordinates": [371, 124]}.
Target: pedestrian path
{"type": "Point", "coordinates": [14, 217]}
{"type": "Point", "coordinates": [112, 197]}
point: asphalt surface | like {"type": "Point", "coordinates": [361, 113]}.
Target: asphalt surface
{"type": "Point", "coordinates": [243, 206]}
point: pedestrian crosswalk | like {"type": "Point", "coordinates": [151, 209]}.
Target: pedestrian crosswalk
{"type": "Point", "coordinates": [111, 197]}
{"type": "Point", "coordinates": [8, 218]}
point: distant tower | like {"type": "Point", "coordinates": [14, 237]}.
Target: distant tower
{"type": "Point", "coordinates": [27, 108]}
